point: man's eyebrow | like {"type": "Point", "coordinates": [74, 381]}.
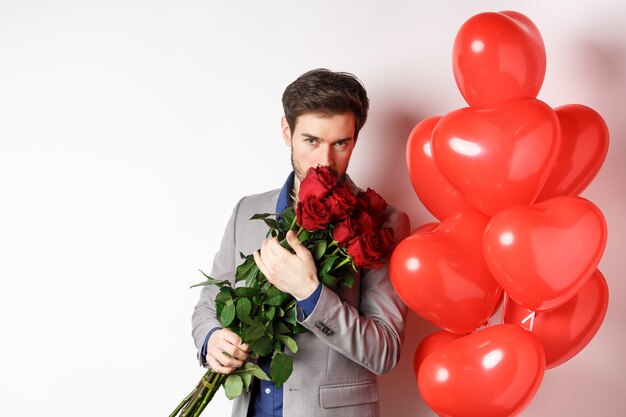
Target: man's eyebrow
{"type": "Point", "coordinates": [310, 136]}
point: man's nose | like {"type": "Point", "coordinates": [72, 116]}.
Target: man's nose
{"type": "Point", "coordinates": [325, 157]}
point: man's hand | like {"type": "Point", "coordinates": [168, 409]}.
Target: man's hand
{"type": "Point", "coordinates": [295, 274]}
{"type": "Point", "coordinates": [225, 351]}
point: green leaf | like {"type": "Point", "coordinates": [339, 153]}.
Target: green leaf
{"type": "Point", "coordinates": [228, 313]}
{"type": "Point", "coordinates": [220, 301]}
{"type": "Point", "coordinates": [254, 331]}
{"type": "Point", "coordinates": [252, 280]}
{"type": "Point", "coordinates": [211, 281]}
{"type": "Point", "coordinates": [281, 368]}
{"type": "Point", "coordinates": [304, 235]}
{"type": "Point", "coordinates": [258, 299]}
{"type": "Point", "coordinates": [260, 216]}
{"type": "Point", "coordinates": [328, 280]}
{"type": "Point", "coordinates": [270, 312]}
{"type": "Point", "coordinates": [285, 297]}
{"type": "Point", "coordinates": [247, 380]}
{"type": "Point", "coordinates": [244, 308]}
{"type": "Point", "coordinates": [271, 223]}
{"type": "Point", "coordinates": [347, 278]}
{"type": "Point", "coordinates": [247, 292]}
{"type": "Point", "coordinates": [256, 371]}
{"type": "Point", "coordinates": [262, 345]}
{"type": "Point", "coordinates": [280, 328]}
{"type": "Point", "coordinates": [273, 297]}
{"type": "Point", "coordinates": [298, 328]}
{"type": "Point", "coordinates": [224, 295]}
{"type": "Point", "coordinates": [233, 386]}
{"type": "Point", "coordinates": [290, 316]}
{"type": "Point", "coordinates": [319, 249]}
{"type": "Point", "coordinates": [288, 216]}
{"type": "Point", "coordinates": [289, 342]}
{"type": "Point", "coordinates": [242, 270]}
{"type": "Point", "coordinates": [328, 264]}
{"type": "Point", "coordinates": [273, 301]}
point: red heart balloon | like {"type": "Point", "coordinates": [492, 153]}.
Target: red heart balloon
{"type": "Point", "coordinates": [567, 329]}
{"type": "Point", "coordinates": [439, 197]}
{"type": "Point", "coordinates": [429, 344]}
{"type": "Point", "coordinates": [500, 156]}
{"type": "Point", "coordinates": [442, 275]}
{"type": "Point", "coordinates": [541, 255]}
{"type": "Point", "coordinates": [584, 145]}
{"type": "Point", "coordinates": [491, 373]}
{"type": "Point", "coordinates": [498, 57]}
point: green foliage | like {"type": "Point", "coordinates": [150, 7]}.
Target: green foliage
{"type": "Point", "coordinates": [262, 315]}
{"type": "Point", "coordinates": [255, 330]}
{"type": "Point", "coordinates": [255, 370]}
{"type": "Point", "coordinates": [262, 346]}
{"type": "Point", "coordinates": [233, 386]}
{"type": "Point", "coordinates": [319, 249]}
{"type": "Point", "coordinates": [281, 368]}
{"type": "Point", "coordinates": [289, 342]}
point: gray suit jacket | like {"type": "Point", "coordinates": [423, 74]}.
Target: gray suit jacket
{"type": "Point", "coordinates": [334, 371]}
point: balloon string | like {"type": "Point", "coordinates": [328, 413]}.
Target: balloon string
{"type": "Point", "coordinates": [530, 317]}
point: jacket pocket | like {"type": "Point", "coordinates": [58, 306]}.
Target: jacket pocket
{"type": "Point", "coordinates": [342, 395]}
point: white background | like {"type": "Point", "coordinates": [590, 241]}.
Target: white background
{"type": "Point", "coordinates": [129, 129]}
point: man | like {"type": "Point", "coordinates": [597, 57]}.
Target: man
{"type": "Point", "coordinates": [354, 333]}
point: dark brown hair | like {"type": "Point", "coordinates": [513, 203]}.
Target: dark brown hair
{"type": "Point", "coordinates": [326, 92]}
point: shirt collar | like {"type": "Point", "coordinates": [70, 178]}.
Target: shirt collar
{"type": "Point", "coordinates": [283, 197]}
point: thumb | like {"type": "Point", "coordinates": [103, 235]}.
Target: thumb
{"type": "Point", "coordinates": [295, 244]}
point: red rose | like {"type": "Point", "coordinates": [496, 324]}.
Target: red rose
{"type": "Point", "coordinates": [364, 251]}
{"type": "Point", "coordinates": [363, 221]}
{"type": "Point", "coordinates": [312, 214]}
{"type": "Point", "coordinates": [317, 183]}
{"type": "Point", "coordinates": [344, 231]}
{"type": "Point", "coordinates": [340, 202]}
{"type": "Point", "coordinates": [373, 203]}
{"type": "Point", "coordinates": [387, 240]}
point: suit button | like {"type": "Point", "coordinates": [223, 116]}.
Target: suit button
{"type": "Point", "coordinates": [320, 325]}
{"type": "Point", "coordinates": [330, 332]}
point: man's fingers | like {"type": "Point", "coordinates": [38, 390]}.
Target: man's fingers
{"type": "Point", "coordinates": [231, 337]}
{"type": "Point", "coordinates": [272, 248]}
{"type": "Point", "coordinates": [295, 244]}
{"type": "Point", "coordinates": [228, 356]}
{"type": "Point", "coordinates": [222, 368]}
{"type": "Point", "coordinates": [259, 262]}
{"type": "Point", "coordinates": [232, 345]}
{"type": "Point", "coordinates": [225, 351]}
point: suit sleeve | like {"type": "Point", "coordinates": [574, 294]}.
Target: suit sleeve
{"type": "Point", "coordinates": [204, 319]}
{"type": "Point", "coordinates": [371, 335]}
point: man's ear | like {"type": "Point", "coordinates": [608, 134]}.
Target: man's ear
{"type": "Point", "coordinates": [284, 127]}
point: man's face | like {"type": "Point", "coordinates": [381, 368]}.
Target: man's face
{"type": "Point", "coordinates": [320, 140]}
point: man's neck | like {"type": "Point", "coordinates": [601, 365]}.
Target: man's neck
{"type": "Point", "coordinates": [294, 192]}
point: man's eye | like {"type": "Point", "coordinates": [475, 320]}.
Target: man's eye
{"type": "Point", "coordinates": [341, 144]}
{"type": "Point", "coordinates": [311, 141]}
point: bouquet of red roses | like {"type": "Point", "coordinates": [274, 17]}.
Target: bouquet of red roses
{"type": "Point", "coordinates": [343, 232]}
